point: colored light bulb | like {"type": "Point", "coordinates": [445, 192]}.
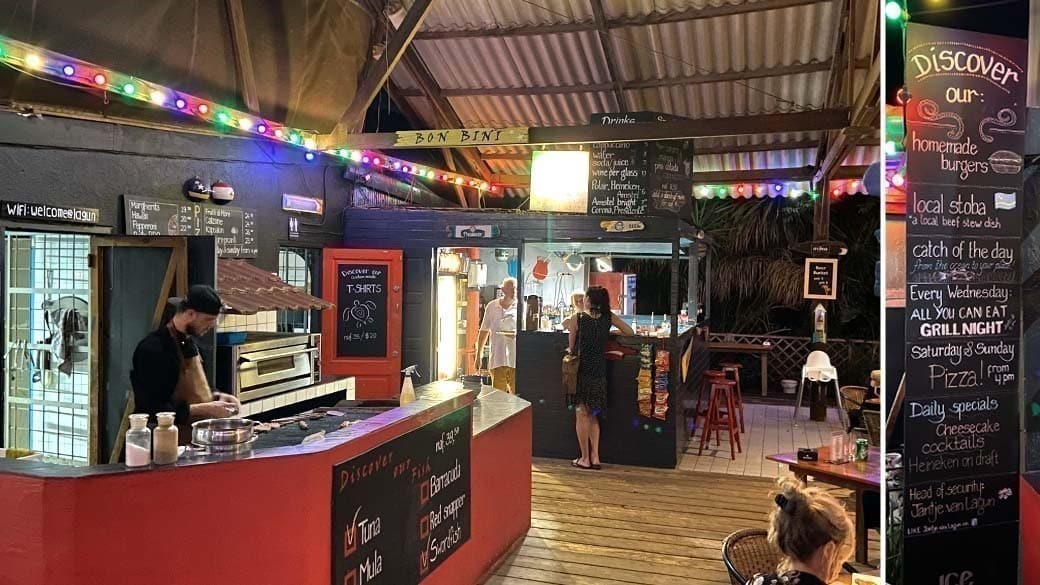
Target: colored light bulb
{"type": "Point", "coordinates": [68, 70]}
{"type": "Point", "coordinates": [458, 180]}
{"type": "Point", "coordinates": [180, 103]}
{"type": "Point", "coordinates": [397, 164]}
{"type": "Point", "coordinates": [376, 160]}
{"type": "Point", "coordinates": [294, 138]}
{"type": "Point", "coordinates": [893, 11]}
{"type": "Point", "coordinates": [203, 109]}
{"type": "Point", "coordinates": [494, 188]}
{"type": "Point", "coordinates": [406, 168]}
{"type": "Point", "coordinates": [245, 123]}
{"type": "Point", "coordinates": [33, 61]}
{"type": "Point", "coordinates": [836, 192]}
{"type": "Point", "coordinates": [778, 188]}
{"type": "Point", "coordinates": [740, 189]}
{"type": "Point", "coordinates": [223, 117]}
{"type": "Point", "coordinates": [344, 152]}
{"type": "Point", "coordinates": [355, 156]}
{"type": "Point", "coordinates": [898, 180]}
{"type": "Point", "coordinates": [483, 186]}
{"type": "Point", "coordinates": [129, 89]}
{"type": "Point", "coordinates": [722, 191]}
{"type": "Point", "coordinates": [365, 159]}
{"type": "Point", "coordinates": [309, 156]}
{"type": "Point", "coordinates": [100, 79]}
{"type": "Point", "coordinates": [855, 185]}
{"type": "Point", "coordinates": [158, 97]}
{"type": "Point", "coordinates": [890, 147]}
{"type": "Point", "coordinates": [310, 143]}
{"type": "Point", "coordinates": [278, 133]}
{"type": "Point", "coordinates": [261, 128]}
{"type": "Point", "coordinates": [430, 174]}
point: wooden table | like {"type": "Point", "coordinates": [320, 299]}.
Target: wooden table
{"type": "Point", "coordinates": [859, 476]}
{"type": "Point", "coordinates": [761, 349]}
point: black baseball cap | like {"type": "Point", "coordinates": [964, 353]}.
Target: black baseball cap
{"type": "Point", "coordinates": [202, 298]}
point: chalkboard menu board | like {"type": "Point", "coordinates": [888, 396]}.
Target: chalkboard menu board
{"type": "Point", "coordinates": [965, 138]}
{"type": "Point", "coordinates": [362, 298]}
{"type": "Point", "coordinates": [820, 278]}
{"type": "Point", "coordinates": [639, 178]}
{"type": "Point", "coordinates": [233, 228]}
{"type": "Point", "coordinates": [401, 509]}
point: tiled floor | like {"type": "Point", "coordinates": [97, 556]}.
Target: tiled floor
{"type": "Point", "coordinates": [769, 430]}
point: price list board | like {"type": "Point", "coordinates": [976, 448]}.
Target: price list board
{"type": "Point", "coordinates": [965, 138]}
{"type": "Point", "coordinates": [400, 510]}
{"type": "Point", "coordinates": [233, 228]}
{"type": "Point", "coordinates": [639, 178]}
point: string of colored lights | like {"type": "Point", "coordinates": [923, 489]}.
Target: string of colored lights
{"type": "Point", "coordinates": [67, 70]}
{"type": "Point", "coordinates": [774, 190]}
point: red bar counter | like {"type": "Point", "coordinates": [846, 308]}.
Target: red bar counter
{"type": "Point", "coordinates": [259, 519]}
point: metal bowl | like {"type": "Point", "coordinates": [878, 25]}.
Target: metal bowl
{"type": "Point", "coordinates": [222, 431]}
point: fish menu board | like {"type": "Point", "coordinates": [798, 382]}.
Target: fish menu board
{"type": "Point", "coordinates": [964, 143]}
{"type": "Point", "coordinates": [639, 178]}
{"type": "Point", "coordinates": [401, 509]}
{"type": "Point", "coordinates": [233, 228]}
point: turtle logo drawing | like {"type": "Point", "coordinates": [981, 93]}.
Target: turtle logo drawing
{"type": "Point", "coordinates": [360, 313]}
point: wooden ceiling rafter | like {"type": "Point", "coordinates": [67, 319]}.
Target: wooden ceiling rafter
{"type": "Point", "coordinates": [762, 72]}
{"type": "Point", "coordinates": [609, 54]}
{"type": "Point", "coordinates": [622, 22]}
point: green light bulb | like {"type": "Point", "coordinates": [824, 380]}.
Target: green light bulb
{"type": "Point", "coordinates": [893, 11]}
{"type": "Point", "coordinates": [129, 89]}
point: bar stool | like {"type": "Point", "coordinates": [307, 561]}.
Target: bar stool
{"type": "Point", "coordinates": [698, 412]}
{"type": "Point", "coordinates": [720, 415]}
{"type": "Point", "coordinates": [738, 399]}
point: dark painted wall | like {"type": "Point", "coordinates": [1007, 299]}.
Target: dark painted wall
{"type": "Point", "coordinates": [90, 164]}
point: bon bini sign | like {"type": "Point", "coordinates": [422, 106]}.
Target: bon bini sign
{"type": "Point", "coordinates": [49, 213]}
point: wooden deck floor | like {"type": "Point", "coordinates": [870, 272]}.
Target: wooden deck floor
{"type": "Point", "coordinates": [625, 526]}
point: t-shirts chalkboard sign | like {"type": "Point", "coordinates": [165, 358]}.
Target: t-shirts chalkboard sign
{"type": "Point", "coordinates": [965, 139]}
{"type": "Point", "coordinates": [639, 178]}
{"type": "Point", "coordinates": [233, 228]}
{"type": "Point", "coordinates": [403, 508]}
{"type": "Point", "coordinates": [821, 278]}
{"type": "Point", "coordinates": [362, 297]}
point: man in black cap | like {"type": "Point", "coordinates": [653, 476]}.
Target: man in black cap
{"type": "Point", "coordinates": [167, 373]}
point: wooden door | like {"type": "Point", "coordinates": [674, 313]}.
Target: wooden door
{"type": "Point", "coordinates": [361, 337]}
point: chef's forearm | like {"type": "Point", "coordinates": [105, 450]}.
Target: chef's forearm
{"type": "Point", "coordinates": [482, 338]}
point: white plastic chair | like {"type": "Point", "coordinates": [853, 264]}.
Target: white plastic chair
{"type": "Point", "coordinates": [818, 368]}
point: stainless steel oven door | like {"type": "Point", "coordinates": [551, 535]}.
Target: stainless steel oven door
{"type": "Point", "coordinates": [260, 368]}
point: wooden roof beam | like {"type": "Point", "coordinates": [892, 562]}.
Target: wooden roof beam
{"type": "Point", "coordinates": [760, 73]}
{"type": "Point", "coordinates": [609, 55]}
{"type": "Point", "coordinates": [400, 41]}
{"type": "Point", "coordinates": [644, 20]}
{"type": "Point", "coordinates": [243, 57]}
{"type": "Point", "coordinates": [810, 121]}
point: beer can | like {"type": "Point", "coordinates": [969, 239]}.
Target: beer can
{"type": "Point", "coordinates": [862, 445]}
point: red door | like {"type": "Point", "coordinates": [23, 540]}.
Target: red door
{"type": "Point", "coordinates": [361, 337]}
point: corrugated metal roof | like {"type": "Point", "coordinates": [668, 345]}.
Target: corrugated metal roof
{"type": "Point", "coordinates": [247, 290]}
{"type": "Point", "coordinates": [754, 42]}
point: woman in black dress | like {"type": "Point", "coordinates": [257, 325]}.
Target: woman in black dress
{"type": "Point", "coordinates": [588, 335]}
{"type": "Point", "coordinates": [812, 531]}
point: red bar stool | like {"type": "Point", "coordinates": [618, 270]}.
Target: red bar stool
{"type": "Point", "coordinates": [738, 399]}
{"type": "Point", "coordinates": [720, 415]}
{"type": "Point", "coordinates": [698, 412]}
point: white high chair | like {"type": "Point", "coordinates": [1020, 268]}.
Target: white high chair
{"type": "Point", "coordinates": [818, 368]}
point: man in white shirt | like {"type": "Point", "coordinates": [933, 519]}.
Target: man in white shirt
{"type": "Point", "coordinates": [500, 325]}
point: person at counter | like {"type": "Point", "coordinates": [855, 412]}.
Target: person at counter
{"type": "Point", "coordinates": [167, 374]}
{"type": "Point", "coordinates": [578, 304]}
{"type": "Point", "coordinates": [588, 335]}
{"type": "Point", "coordinates": [500, 325]}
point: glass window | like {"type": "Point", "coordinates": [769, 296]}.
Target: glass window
{"type": "Point", "coordinates": [295, 266]}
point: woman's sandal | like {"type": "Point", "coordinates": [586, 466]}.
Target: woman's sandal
{"type": "Point", "coordinates": [596, 466]}
{"type": "Point", "coordinates": [580, 466]}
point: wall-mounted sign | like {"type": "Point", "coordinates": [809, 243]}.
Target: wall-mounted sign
{"type": "Point", "coordinates": [234, 228]}
{"type": "Point", "coordinates": [301, 204]}
{"type": "Point", "coordinates": [401, 509]}
{"type": "Point", "coordinates": [615, 227]}
{"type": "Point", "coordinates": [49, 213]}
{"type": "Point", "coordinates": [821, 279]}
{"type": "Point", "coordinates": [560, 181]}
{"type": "Point", "coordinates": [474, 231]}
{"type": "Point", "coordinates": [461, 137]}
{"type": "Point", "coordinates": [362, 298]}
{"type": "Point", "coordinates": [294, 228]}
{"type": "Point", "coordinates": [818, 248]}
{"type": "Point", "coordinates": [965, 136]}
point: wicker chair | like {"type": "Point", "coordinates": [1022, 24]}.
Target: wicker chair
{"type": "Point", "coordinates": [872, 420]}
{"type": "Point", "coordinates": [746, 553]}
{"type": "Point", "coordinates": [852, 398]}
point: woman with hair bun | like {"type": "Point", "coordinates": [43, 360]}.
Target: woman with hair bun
{"type": "Point", "coordinates": [812, 531]}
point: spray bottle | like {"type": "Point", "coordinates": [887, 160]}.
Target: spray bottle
{"type": "Point", "coordinates": [407, 389]}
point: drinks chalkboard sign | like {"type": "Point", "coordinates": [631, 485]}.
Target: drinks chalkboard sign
{"type": "Point", "coordinates": [362, 297]}
{"type": "Point", "coordinates": [639, 178]}
{"type": "Point", "coordinates": [401, 509]}
{"type": "Point", "coordinates": [965, 129]}
{"type": "Point", "coordinates": [233, 228]}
